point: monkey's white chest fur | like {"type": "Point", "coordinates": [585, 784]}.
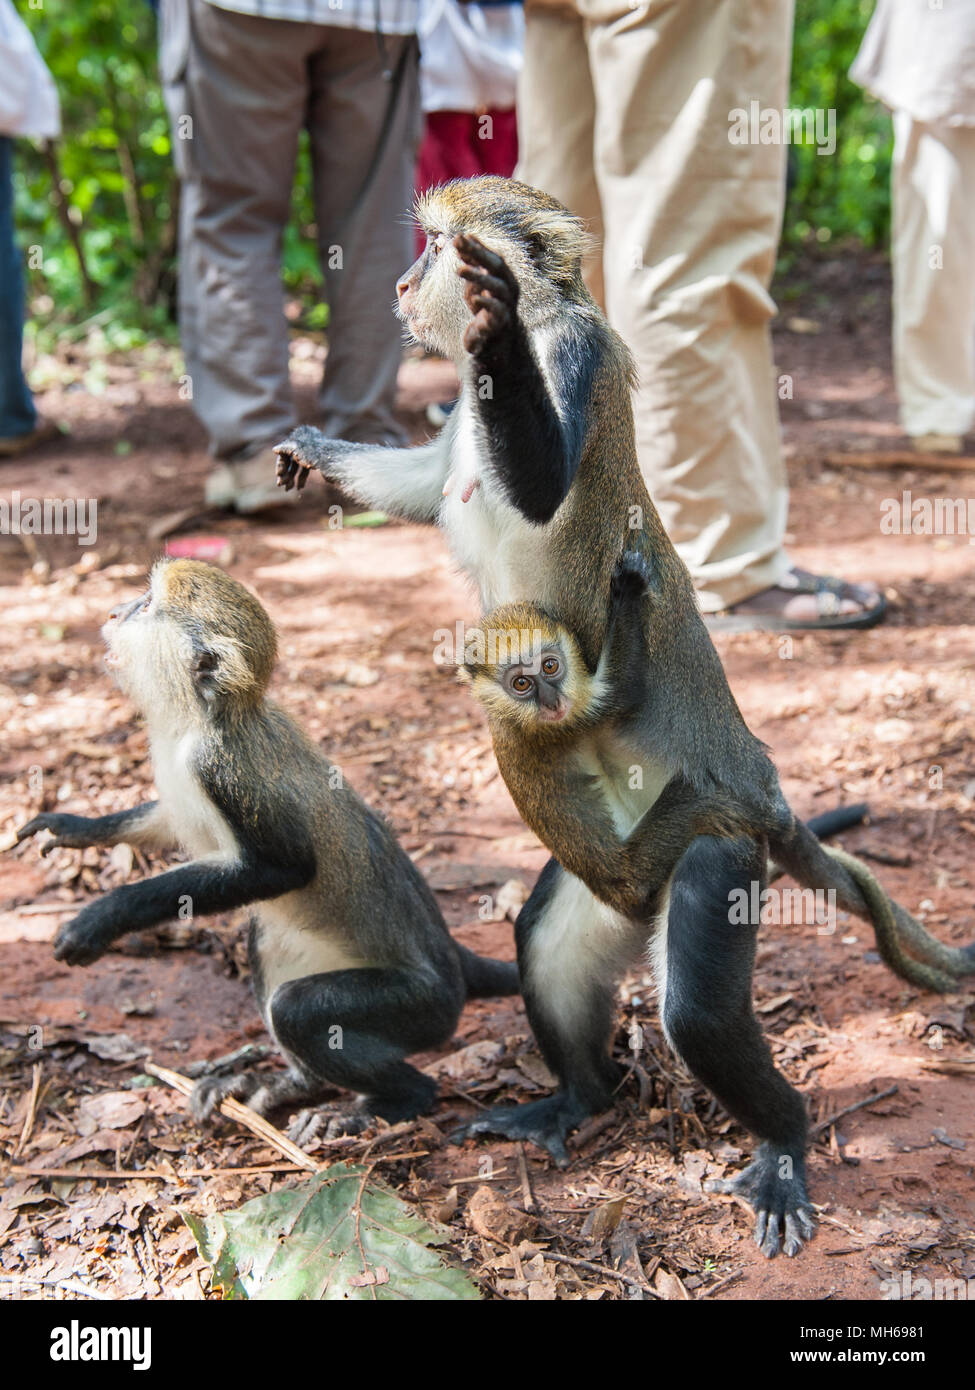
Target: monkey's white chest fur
{"type": "Point", "coordinates": [505, 556]}
{"type": "Point", "coordinates": [630, 783]}
{"type": "Point", "coordinates": [195, 821]}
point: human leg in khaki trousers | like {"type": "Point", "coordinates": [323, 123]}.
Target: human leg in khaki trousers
{"type": "Point", "coordinates": [933, 252]}
{"type": "Point", "coordinates": [243, 87]}
{"type": "Point", "coordinates": [557, 119]}
{"type": "Point", "coordinates": [691, 223]}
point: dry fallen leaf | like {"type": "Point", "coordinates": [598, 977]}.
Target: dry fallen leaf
{"type": "Point", "coordinates": [602, 1221]}
{"type": "Point", "coordinates": [668, 1286]}
{"type": "Point", "coordinates": [491, 1216]}
{"type": "Point", "coordinates": [471, 1063]}
{"type": "Point", "coordinates": [110, 1110]}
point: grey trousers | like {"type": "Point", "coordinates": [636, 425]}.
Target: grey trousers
{"type": "Point", "coordinates": [238, 90]}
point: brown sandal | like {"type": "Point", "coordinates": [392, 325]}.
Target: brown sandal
{"type": "Point", "coordinates": [828, 593]}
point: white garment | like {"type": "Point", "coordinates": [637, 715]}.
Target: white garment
{"type": "Point", "coordinates": [920, 58]}
{"type": "Point", "coordinates": [28, 98]}
{"type": "Point", "coordinates": [470, 55]}
{"type": "Point", "coordinates": [933, 257]}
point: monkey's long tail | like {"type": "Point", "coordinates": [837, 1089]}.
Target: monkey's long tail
{"type": "Point", "coordinates": [485, 977]}
{"type": "Point", "coordinates": [902, 941]}
{"type": "Point", "coordinates": [829, 823]}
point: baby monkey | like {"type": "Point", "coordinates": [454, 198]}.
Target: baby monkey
{"type": "Point", "coordinates": [353, 965]}
{"type": "Point", "coordinates": [560, 732]}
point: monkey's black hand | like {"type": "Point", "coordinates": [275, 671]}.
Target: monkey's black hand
{"type": "Point", "coordinates": [632, 576]}
{"type": "Point", "coordinates": [491, 293]}
{"type": "Point", "coordinates": [70, 832]}
{"type": "Point", "coordinates": [545, 1122]}
{"type": "Point", "coordinates": [775, 1186]}
{"type": "Point", "coordinates": [80, 941]}
{"type": "Point", "coordinates": [304, 449]}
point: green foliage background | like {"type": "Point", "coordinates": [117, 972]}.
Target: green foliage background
{"type": "Point", "coordinates": [115, 171]}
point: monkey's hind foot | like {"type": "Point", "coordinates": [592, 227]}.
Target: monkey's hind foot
{"type": "Point", "coordinates": [545, 1122]}
{"type": "Point", "coordinates": [210, 1091]}
{"type": "Point", "coordinates": [221, 1066]}
{"type": "Point", "coordinates": [337, 1121]}
{"type": "Point", "coordinates": [774, 1184]}
{"type": "Point", "coordinates": [328, 1122]}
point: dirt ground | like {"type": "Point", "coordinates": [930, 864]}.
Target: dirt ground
{"type": "Point", "coordinates": [884, 716]}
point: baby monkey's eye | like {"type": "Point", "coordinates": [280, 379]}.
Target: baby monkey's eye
{"type": "Point", "coordinates": [438, 243]}
{"type": "Point", "coordinates": [551, 666]}
{"type": "Point", "coordinates": [521, 684]}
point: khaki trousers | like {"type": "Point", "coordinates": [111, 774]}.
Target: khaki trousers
{"type": "Point", "coordinates": [933, 252]}
{"type": "Point", "coordinates": [239, 89]}
{"type": "Point", "coordinates": [624, 116]}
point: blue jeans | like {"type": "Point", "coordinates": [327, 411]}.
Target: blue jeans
{"type": "Point", "coordinates": [17, 413]}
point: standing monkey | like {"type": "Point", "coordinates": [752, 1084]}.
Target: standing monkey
{"type": "Point", "coordinates": [557, 727]}
{"type": "Point", "coordinates": [353, 965]}
{"type": "Point", "coordinates": [535, 483]}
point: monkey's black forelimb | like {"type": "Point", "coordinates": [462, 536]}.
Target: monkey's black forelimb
{"type": "Point", "coordinates": [534, 448]}
{"type": "Point", "coordinates": [193, 889]}
{"type": "Point", "coordinates": [78, 832]}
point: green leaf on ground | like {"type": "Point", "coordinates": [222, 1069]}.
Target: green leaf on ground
{"type": "Point", "coordinates": [337, 1234]}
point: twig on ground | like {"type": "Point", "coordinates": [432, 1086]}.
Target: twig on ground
{"type": "Point", "coordinates": [31, 1115]}
{"type": "Point", "coordinates": [849, 1109]}
{"type": "Point", "coordinates": [243, 1114]}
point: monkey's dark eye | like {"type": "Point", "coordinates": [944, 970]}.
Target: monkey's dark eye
{"type": "Point", "coordinates": [522, 685]}
{"type": "Point", "coordinates": [551, 666]}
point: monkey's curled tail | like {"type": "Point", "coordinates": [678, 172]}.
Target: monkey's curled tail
{"type": "Point", "coordinates": [485, 977]}
{"type": "Point", "coordinates": [902, 941]}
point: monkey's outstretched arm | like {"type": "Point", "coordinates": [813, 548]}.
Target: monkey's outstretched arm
{"type": "Point", "coordinates": [405, 482]}
{"type": "Point", "coordinates": [145, 826]}
{"type": "Point", "coordinates": [205, 886]}
{"type": "Point", "coordinates": [535, 445]}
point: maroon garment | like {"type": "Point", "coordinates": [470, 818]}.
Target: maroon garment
{"type": "Point", "coordinates": [452, 148]}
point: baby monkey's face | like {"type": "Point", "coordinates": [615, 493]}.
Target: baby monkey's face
{"type": "Point", "coordinates": [539, 684]}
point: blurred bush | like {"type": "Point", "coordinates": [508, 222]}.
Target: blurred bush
{"type": "Point", "coordinates": [845, 194]}
{"type": "Point", "coordinates": [108, 235]}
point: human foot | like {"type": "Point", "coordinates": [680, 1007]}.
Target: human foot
{"type": "Point", "coordinates": [802, 601]}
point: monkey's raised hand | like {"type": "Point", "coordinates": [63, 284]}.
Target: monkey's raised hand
{"type": "Point", "coordinates": [304, 449]}
{"type": "Point", "coordinates": [491, 294]}
{"type": "Point", "coordinates": [70, 832]}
